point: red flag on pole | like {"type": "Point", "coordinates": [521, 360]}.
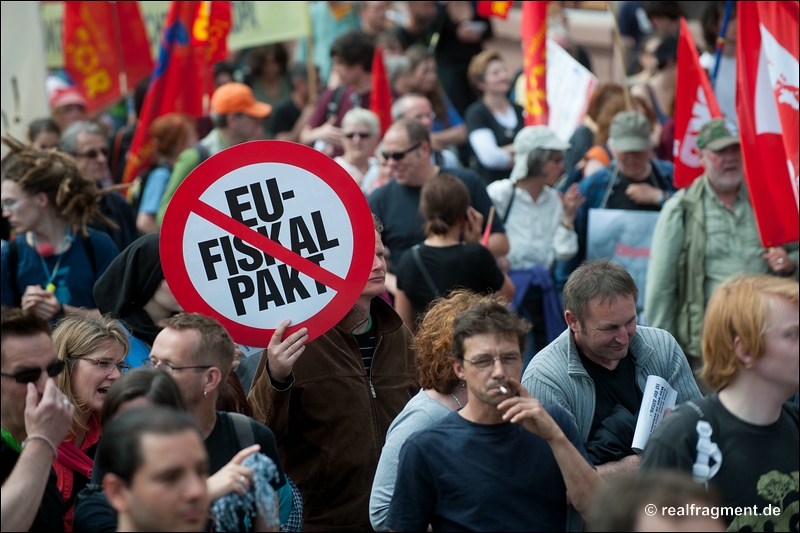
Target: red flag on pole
{"type": "Point", "coordinates": [106, 51]}
{"type": "Point", "coordinates": [534, 50]}
{"type": "Point", "coordinates": [767, 106]}
{"type": "Point", "coordinates": [380, 101]}
{"type": "Point", "coordinates": [493, 9]}
{"type": "Point", "coordinates": [194, 39]}
{"type": "Point", "coordinates": [695, 104]}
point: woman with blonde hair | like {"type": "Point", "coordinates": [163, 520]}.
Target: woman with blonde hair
{"type": "Point", "coordinates": [441, 393]}
{"type": "Point", "coordinates": [50, 267]}
{"type": "Point", "coordinates": [94, 350]}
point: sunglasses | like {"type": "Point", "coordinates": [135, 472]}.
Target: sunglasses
{"type": "Point", "coordinates": [93, 153]}
{"type": "Point", "coordinates": [31, 375]}
{"type": "Point", "coordinates": [9, 205]}
{"type": "Point", "coordinates": [399, 156]}
{"type": "Point", "coordinates": [358, 134]}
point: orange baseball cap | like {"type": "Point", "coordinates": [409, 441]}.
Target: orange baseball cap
{"type": "Point", "coordinates": [235, 97]}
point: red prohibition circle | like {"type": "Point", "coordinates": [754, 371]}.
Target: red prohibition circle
{"type": "Point", "coordinates": [186, 201]}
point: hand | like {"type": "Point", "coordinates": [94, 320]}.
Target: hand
{"type": "Point", "coordinates": [283, 354]}
{"type": "Point", "coordinates": [779, 261]}
{"type": "Point", "coordinates": [233, 477]}
{"type": "Point", "coordinates": [473, 228]}
{"type": "Point", "coordinates": [571, 201]}
{"type": "Point", "coordinates": [526, 410]}
{"type": "Point", "coordinates": [330, 133]}
{"type": "Point", "coordinates": [237, 355]}
{"type": "Point", "coordinates": [43, 303]}
{"type": "Point", "coordinates": [644, 194]}
{"type": "Point", "coordinates": [51, 415]}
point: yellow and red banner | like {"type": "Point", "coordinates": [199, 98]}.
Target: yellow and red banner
{"type": "Point", "coordinates": [106, 51]}
{"type": "Point", "coordinates": [534, 48]}
{"type": "Point", "coordinates": [194, 38]}
{"type": "Point", "coordinates": [493, 9]}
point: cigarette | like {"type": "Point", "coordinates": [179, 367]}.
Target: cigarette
{"type": "Point", "coordinates": [503, 390]}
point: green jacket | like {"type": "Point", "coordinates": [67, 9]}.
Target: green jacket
{"type": "Point", "coordinates": [675, 294]}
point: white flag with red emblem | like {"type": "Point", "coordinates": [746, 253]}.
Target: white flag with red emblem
{"type": "Point", "coordinates": [695, 104]}
{"type": "Point", "coordinates": [767, 80]}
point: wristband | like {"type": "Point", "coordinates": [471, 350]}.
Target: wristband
{"type": "Point", "coordinates": [37, 436]}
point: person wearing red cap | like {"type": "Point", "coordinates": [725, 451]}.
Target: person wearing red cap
{"type": "Point", "coordinates": [67, 106]}
{"type": "Point", "coordinates": [237, 117]}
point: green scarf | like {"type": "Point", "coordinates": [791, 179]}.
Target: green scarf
{"type": "Point", "coordinates": [10, 441]}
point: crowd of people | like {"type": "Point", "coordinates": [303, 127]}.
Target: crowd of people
{"type": "Point", "coordinates": [490, 374]}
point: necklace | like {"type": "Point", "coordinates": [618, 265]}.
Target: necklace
{"type": "Point", "coordinates": [50, 286]}
{"type": "Point", "coordinates": [456, 399]}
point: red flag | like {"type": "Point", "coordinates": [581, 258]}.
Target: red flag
{"type": "Point", "coordinates": [534, 50]}
{"type": "Point", "coordinates": [695, 104]}
{"type": "Point", "coordinates": [767, 106]}
{"type": "Point", "coordinates": [106, 51]}
{"type": "Point", "coordinates": [493, 9]}
{"type": "Point", "coordinates": [193, 40]}
{"type": "Point", "coordinates": [380, 101]}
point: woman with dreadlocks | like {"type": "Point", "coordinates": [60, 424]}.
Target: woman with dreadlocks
{"type": "Point", "coordinates": [52, 263]}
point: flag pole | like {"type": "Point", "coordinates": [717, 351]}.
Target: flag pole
{"type": "Point", "coordinates": [311, 69]}
{"type": "Point", "coordinates": [123, 75]}
{"type": "Point", "coordinates": [626, 93]}
{"type": "Point", "coordinates": [721, 42]}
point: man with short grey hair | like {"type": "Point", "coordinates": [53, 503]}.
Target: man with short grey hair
{"type": "Point", "coordinates": [633, 181]}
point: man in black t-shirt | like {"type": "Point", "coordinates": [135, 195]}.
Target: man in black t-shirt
{"type": "Point", "coordinates": [35, 417]}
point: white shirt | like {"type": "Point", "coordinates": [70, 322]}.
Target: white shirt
{"type": "Point", "coordinates": [534, 230]}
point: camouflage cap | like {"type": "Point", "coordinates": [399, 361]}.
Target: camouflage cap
{"type": "Point", "coordinates": [717, 134]}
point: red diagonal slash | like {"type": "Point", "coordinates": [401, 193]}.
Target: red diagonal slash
{"type": "Point", "coordinates": [265, 244]}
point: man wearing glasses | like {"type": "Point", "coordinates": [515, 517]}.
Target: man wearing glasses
{"type": "Point", "coordinates": [504, 462]}
{"type": "Point", "coordinates": [86, 142]}
{"type": "Point", "coordinates": [407, 152]}
{"type": "Point", "coordinates": [35, 417]}
{"type": "Point", "coordinates": [198, 353]}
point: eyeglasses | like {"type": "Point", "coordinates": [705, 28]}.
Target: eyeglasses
{"type": "Point", "coordinates": [485, 362]}
{"type": "Point", "coordinates": [398, 156]}
{"type": "Point", "coordinates": [31, 375]}
{"type": "Point", "coordinates": [106, 366]}
{"type": "Point", "coordinates": [166, 367]}
{"type": "Point", "coordinates": [358, 134]}
{"type": "Point", "coordinates": [93, 153]}
{"type": "Point", "coordinates": [430, 115]}
{"type": "Point", "coordinates": [9, 205]}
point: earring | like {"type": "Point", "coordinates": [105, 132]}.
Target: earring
{"type": "Point", "coordinates": [463, 384]}
{"type": "Point", "coordinates": [205, 394]}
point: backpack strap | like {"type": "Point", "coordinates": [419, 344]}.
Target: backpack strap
{"type": "Point", "coordinates": [244, 430]}
{"type": "Point", "coordinates": [425, 274]}
{"type": "Point", "coordinates": [13, 262]}
{"type": "Point", "coordinates": [702, 469]}
{"type": "Point", "coordinates": [203, 150]}
{"type": "Point", "coordinates": [89, 248]}
{"type": "Point", "coordinates": [336, 101]}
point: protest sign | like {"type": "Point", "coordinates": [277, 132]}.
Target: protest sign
{"type": "Point", "coordinates": [265, 231]}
